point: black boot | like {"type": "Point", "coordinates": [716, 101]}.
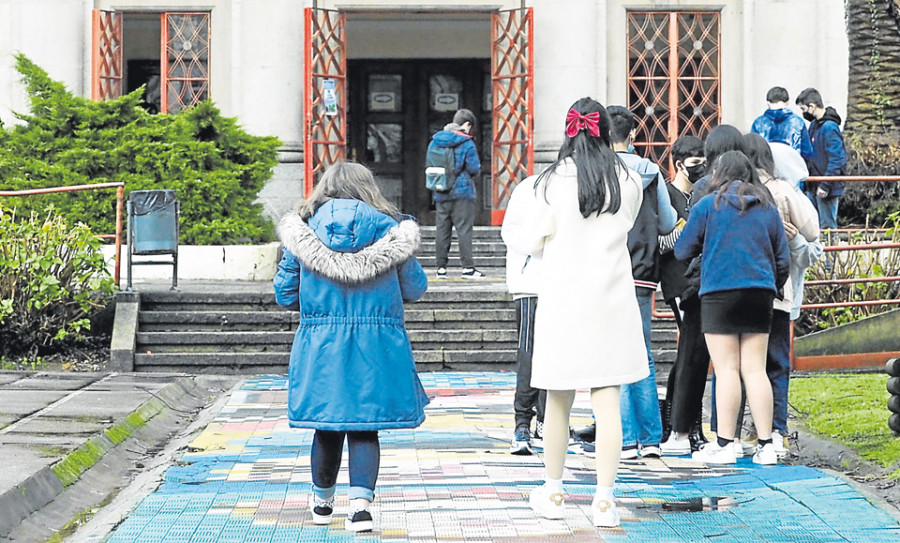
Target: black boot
{"type": "Point", "coordinates": [665, 414]}
{"type": "Point", "coordinates": [696, 436]}
{"type": "Point", "coordinates": [588, 434]}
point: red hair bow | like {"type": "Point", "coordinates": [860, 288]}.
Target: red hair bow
{"type": "Point", "coordinates": [576, 121]}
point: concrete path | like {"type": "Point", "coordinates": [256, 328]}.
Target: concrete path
{"type": "Point", "coordinates": [246, 479]}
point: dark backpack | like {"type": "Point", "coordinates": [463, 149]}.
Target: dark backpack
{"type": "Point", "coordinates": [440, 168]}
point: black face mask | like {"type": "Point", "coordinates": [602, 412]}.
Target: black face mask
{"type": "Point", "coordinates": [696, 172]}
{"type": "Point", "coordinates": [809, 116]}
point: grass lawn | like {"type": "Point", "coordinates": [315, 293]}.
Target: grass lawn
{"type": "Point", "coordinates": [852, 409]}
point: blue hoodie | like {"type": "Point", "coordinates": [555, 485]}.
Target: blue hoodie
{"type": "Point", "coordinates": [740, 250]}
{"type": "Point", "coordinates": [784, 126]}
{"type": "Point", "coordinates": [467, 163]}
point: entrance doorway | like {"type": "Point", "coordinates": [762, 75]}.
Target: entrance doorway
{"type": "Point", "coordinates": [395, 106]}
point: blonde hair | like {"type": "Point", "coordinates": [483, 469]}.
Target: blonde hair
{"type": "Point", "coordinates": [348, 180]}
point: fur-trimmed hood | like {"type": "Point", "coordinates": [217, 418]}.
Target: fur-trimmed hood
{"type": "Point", "coordinates": [348, 241]}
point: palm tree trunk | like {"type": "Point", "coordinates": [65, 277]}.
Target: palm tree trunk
{"type": "Point", "coordinates": [872, 129]}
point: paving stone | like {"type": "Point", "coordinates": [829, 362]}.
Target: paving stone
{"type": "Point", "coordinates": [452, 479]}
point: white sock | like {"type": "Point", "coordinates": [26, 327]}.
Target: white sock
{"type": "Point", "coordinates": [554, 485]}
{"type": "Point", "coordinates": [604, 493]}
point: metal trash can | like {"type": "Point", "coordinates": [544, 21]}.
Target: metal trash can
{"type": "Point", "coordinates": [153, 228]}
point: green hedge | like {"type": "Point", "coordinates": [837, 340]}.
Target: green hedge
{"type": "Point", "coordinates": [215, 167]}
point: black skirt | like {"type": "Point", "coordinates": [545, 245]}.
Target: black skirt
{"type": "Point", "coordinates": [740, 311]}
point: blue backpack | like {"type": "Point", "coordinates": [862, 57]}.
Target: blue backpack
{"type": "Point", "coordinates": [440, 169]}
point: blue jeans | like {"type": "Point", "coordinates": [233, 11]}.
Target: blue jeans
{"type": "Point", "coordinates": [827, 208]}
{"type": "Point", "coordinates": [325, 460]}
{"type": "Point", "coordinates": [641, 420]}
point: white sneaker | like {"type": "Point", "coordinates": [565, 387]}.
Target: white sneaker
{"type": "Point", "coordinates": [766, 455]}
{"type": "Point", "coordinates": [780, 443]}
{"type": "Point", "coordinates": [676, 447]}
{"type": "Point", "coordinates": [605, 514]}
{"type": "Point", "coordinates": [651, 452]}
{"type": "Point", "coordinates": [712, 453]}
{"type": "Point", "coordinates": [321, 510]}
{"type": "Point", "coordinates": [743, 448]}
{"type": "Point", "coordinates": [547, 503]}
{"type": "Point", "coordinates": [628, 454]}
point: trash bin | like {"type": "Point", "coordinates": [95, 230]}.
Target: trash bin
{"type": "Point", "coordinates": [153, 228]}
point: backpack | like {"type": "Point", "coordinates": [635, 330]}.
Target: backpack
{"type": "Point", "coordinates": [440, 169]}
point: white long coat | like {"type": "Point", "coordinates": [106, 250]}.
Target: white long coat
{"type": "Point", "coordinates": [588, 331]}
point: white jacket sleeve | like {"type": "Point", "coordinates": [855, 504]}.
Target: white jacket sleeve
{"type": "Point", "coordinates": [528, 220]}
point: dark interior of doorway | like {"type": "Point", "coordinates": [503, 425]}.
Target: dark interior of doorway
{"type": "Point", "coordinates": [394, 108]}
{"type": "Point", "coordinates": [141, 38]}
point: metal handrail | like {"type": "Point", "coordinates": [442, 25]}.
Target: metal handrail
{"type": "Point", "coordinates": [120, 200]}
{"type": "Point", "coordinates": [855, 178]}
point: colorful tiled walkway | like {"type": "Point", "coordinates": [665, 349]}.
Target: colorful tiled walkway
{"type": "Point", "coordinates": [247, 480]}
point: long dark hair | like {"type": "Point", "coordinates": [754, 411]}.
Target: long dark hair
{"type": "Point", "coordinates": [597, 164]}
{"type": "Point", "coordinates": [734, 167]}
{"type": "Point", "coordinates": [759, 153]}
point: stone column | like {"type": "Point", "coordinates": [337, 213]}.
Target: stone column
{"type": "Point", "coordinates": [569, 63]}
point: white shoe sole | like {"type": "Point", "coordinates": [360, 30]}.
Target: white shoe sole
{"type": "Point", "coordinates": [321, 520]}
{"type": "Point", "coordinates": [677, 452]}
{"type": "Point", "coordinates": [364, 526]}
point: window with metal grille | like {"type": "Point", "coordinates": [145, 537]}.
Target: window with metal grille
{"type": "Point", "coordinates": [673, 77]}
{"type": "Point", "coordinates": [166, 52]}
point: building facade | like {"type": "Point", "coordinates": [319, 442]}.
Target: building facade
{"type": "Point", "coordinates": [371, 81]}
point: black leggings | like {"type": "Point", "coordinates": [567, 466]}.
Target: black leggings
{"type": "Point", "coordinates": [365, 457]}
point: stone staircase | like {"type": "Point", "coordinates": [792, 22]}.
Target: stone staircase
{"type": "Point", "coordinates": [236, 327]}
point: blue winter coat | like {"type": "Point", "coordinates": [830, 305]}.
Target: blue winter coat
{"type": "Point", "coordinates": [467, 163]}
{"type": "Point", "coordinates": [740, 250]}
{"type": "Point", "coordinates": [784, 126]}
{"type": "Point", "coordinates": [348, 271]}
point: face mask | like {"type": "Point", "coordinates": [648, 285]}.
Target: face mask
{"type": "Point", "coordinates": [809, 116]}
{"type": "Point", "coordinates": [630, 147]}
{"type": "Point", "coordinates": [696, 172]}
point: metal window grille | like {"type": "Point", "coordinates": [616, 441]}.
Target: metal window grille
{"type": "Point", "coordinates": [106, 58]}
{"type": "Point", "coordinates": [185, 60]}
{"type": "Point", "coordinates": [673, 77]}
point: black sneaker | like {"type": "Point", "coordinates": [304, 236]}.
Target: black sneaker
{"type": "Point", "coordinates": [521, 444]}
{"type": "Point", "coordinates": [322, 510]}
{"type": "Point", "coordinates": [472, 273]}
{"type": "Point", "coordinates": [360, 521]}
{"type": "Point", "coordinates": [588, 434]}
{"type": "Point", "coordinates": [441, 272]}
{"type": "Point", "coordinates": [589, 449]}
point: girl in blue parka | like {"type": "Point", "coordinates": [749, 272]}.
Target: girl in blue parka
{"type": "Point", "coordinates": [348, 267]}
{"type": "Point", "coordinates": [746, 261]}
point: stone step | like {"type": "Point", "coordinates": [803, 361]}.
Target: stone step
{"type": "Point", "coordinates": [196, 342]}
{"type": "Point", "coordinates": [155, 320]}
{"type": "Point", "coordinates": [484, 233]}
{"type": "Point", "coordinates": [481, 261]}
{"type": "Point", "coordinates": [426, 360]}
{"type": "Point", "coordinates": [478, 247]}
{"type": "Point", "coordinates": [480, 295]}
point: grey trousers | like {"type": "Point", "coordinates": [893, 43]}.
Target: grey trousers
{"type": "Point", "coordinates": [450, 213]}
